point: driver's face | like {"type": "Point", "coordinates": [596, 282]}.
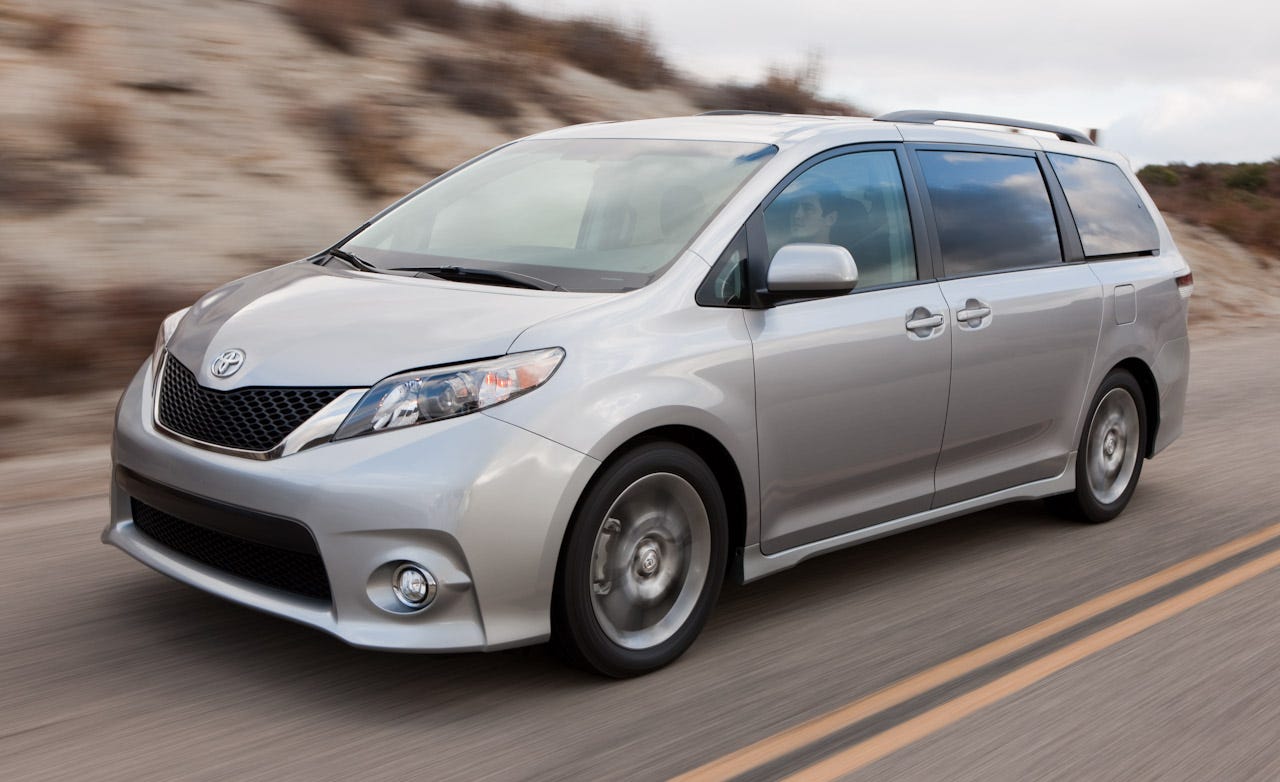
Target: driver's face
{"type": "Point", "coordinates": [809, 223]}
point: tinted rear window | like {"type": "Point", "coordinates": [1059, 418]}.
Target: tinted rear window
{"type": "Point", "coordinates": [992, 211]}
{"type": "Point", "coordinates": [1111, 217]}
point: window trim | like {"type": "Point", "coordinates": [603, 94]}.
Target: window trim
{"type": "Point", "coordinates": [1068, 231]}
{"type": "Point", "coordinates": [1068, 240]}
{"type": "Point", "coordinates": [757, 240]}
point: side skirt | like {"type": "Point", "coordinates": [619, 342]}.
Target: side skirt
{"type": "Point", "coordinates": [753, 564]}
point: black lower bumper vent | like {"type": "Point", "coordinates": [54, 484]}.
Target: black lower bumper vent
{"type": "Point", "coordinates": [301, 573]}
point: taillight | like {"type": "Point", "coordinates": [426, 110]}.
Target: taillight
{"type": "Point", "coordinates": [1186, 284]}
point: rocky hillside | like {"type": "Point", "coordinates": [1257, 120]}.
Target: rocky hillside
{"type": "Point", "coordinates": [151, 149]}
{"type": "Point", "coordinates": [181, 142]}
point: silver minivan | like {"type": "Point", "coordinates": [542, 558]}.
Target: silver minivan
{"type": "Point", "coordinates": [564, 390]}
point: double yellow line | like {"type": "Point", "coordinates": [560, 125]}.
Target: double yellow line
{"type": "Point", "coordinates": [892, 739]}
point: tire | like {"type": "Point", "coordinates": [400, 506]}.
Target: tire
{"type": "Point", "coordinates": [642, 564]}
{"type": "Point", "coordinates": [1109, 456]}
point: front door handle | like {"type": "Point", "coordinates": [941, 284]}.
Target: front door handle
{"type": "Point", "coordinates": [919, 324]}
{"type": "Point", "coordinates": [923, 324]}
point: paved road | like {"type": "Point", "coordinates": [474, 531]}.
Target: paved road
{"type": "Point", "coordinates": [109, 671]}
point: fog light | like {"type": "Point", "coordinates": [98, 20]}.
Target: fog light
{"type": "Point", "coordinates": [413, 586]}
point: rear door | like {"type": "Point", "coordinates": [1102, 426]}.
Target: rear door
{"type": "Point", "coordinates": [851, 391]}
{"type": "Point", "coordinates": [1025, 322]}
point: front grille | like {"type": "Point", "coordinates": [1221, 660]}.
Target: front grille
{"type": "Point", "coordinates": [291, 571]}
{"type": "Point", "coordinates": [250, 419]}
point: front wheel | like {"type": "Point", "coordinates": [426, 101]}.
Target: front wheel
{"type": "Point", "coordinates": [643, 562]}
{"type": "Point", "coordinates": [1110, 453]}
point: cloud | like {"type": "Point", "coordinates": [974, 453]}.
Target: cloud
{"type": "Point", "coordinates": [1226, 122]}
{"type": "Point", "coordinates": [1151, 75]}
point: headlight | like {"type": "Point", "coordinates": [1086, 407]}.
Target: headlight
{"type": "Point", "coordinates": [448, 392]}
{"type": "Point", "coordinates": [167, 327]}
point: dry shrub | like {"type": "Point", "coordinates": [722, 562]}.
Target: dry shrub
{"type": "Point", "coordinates": [1230, 219]}
{"type": "Point", "coordinates": [771, 94]}
{"type": "Point", "coordinates": [482, 86]}
{"type": "Point", "coordinates": [1159, 176]}
{"type": "Point", "coordinates": [162, 86]}
{"type": "Point", "coordinates": [333, 23]}
{"type": "Point", "coordinates": [781, 90]}
{"type": "Point", "coordinates": [566, 108]}
{"type": "Point", "coordinates": [627, 56]}
{"type": "Point", "coordinates": [1267, 237]}
{"type": "Point", "coordinates": [1201, 173]}
{"type": "Point", "coordinates": [1241, 201]}
{"type": "Point", "coordinates": [367, 141]}
{"type": "Point", "coordinates": [337, 23]}
{"type": "Point", "coordinates": [1250, 177]}
{"type": "Point", "coordinates": [63, 341]}
{"type": "Point", "coordinates": [53, 33]}
{"type": "Point", "coordinates": [95, 128]}
{"type": "Point", "coordinates": [41, 32]}
{"type": "Point", "coordinates": [32, 184]}
{"type": "Point", "coordinates": [445, 14]}
{"type": "Point", "coordinates": [493, 87]}
{"type": "Point", "coordinates": [35, 349]}
{"type": "Point", "coordinates": [506, 18]}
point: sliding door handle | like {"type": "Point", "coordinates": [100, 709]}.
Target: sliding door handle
{"type": "Point", "coordinates": [972, 313]}
{"type": "Point", "coordinates": [919, 324]}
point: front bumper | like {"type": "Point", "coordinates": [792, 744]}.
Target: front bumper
{"type": "Point", "coordinates": [481, 503]}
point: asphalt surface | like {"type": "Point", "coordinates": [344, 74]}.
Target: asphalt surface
{"type": "Point", "coordinates": [110, 671]}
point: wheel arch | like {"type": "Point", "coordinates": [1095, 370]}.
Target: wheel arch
{"type": "Point", "coordinates": [1150, 396]}
{"type": "Point", "coordinates": [710, 450]}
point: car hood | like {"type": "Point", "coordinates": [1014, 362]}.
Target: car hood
{"type": "Point", "coordinates": [308, 325]}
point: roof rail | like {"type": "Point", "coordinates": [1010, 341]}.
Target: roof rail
{"type": "Point", "coordinates": [728, 112]}
{"type": "Point", "coordinates": [925, 117]}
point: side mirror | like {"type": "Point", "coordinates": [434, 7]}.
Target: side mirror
{"type": "Point", "coordinates": [804, 271]}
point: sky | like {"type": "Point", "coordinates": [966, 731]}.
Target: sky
{"type": "Point", "coordinates": [1163, 82]}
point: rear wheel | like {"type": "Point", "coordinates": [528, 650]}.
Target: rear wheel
{"type": "Point", "coordinates": [1110, 453]}
{"type": "Point", "coordinates": [643, 562]}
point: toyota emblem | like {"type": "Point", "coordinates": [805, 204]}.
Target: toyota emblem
{"type": "Point", "coordinates": [227, 363]}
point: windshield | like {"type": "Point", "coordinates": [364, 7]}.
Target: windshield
{"type": "Point", "coordinates": [582, 214]}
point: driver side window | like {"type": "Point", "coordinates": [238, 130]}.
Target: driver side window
{"type": "Point", "coordinates": [856, 201]}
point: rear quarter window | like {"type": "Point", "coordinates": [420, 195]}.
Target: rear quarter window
{"type": "Point", "coordinates": [1111, 217]}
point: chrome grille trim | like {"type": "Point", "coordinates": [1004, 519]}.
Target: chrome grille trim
{"type": "Point", "coordinates": [316, 430]}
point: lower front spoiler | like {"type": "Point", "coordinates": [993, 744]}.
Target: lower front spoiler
{"type": "Point", "coordinates": [319, 614]}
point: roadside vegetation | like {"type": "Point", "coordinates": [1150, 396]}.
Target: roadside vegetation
{"type": "Point", "coordinates": [1240, 200]}
{"type": "Point", "coordinates": [623, 54]}
{"type": "Point", "coordinates": [787, 90]}
{"type": "Point", "coordinates": [70, 341]}
{"type": "Point", "coordinates": [527, 46]}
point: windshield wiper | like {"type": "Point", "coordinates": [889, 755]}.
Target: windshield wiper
{"type": "Point", "coordinates": [484, 276]}
{"type": "Point", "coordinates": [354, 260]}
{"type": "Point", "coordinates": [360, 264]}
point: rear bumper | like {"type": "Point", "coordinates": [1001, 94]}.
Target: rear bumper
{"type": "Point", "coordinates": [480, 503]}
{"type": "Point", "coordinates": [1172, 370]}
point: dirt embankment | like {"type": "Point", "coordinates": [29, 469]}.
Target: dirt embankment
{"type": "Point", "coordinates": [152, 149]}
{"type": "Point", "coordinates": [1236, 287]}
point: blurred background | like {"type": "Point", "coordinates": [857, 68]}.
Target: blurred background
{"type": "Point", "coordinates": [152, 149]}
